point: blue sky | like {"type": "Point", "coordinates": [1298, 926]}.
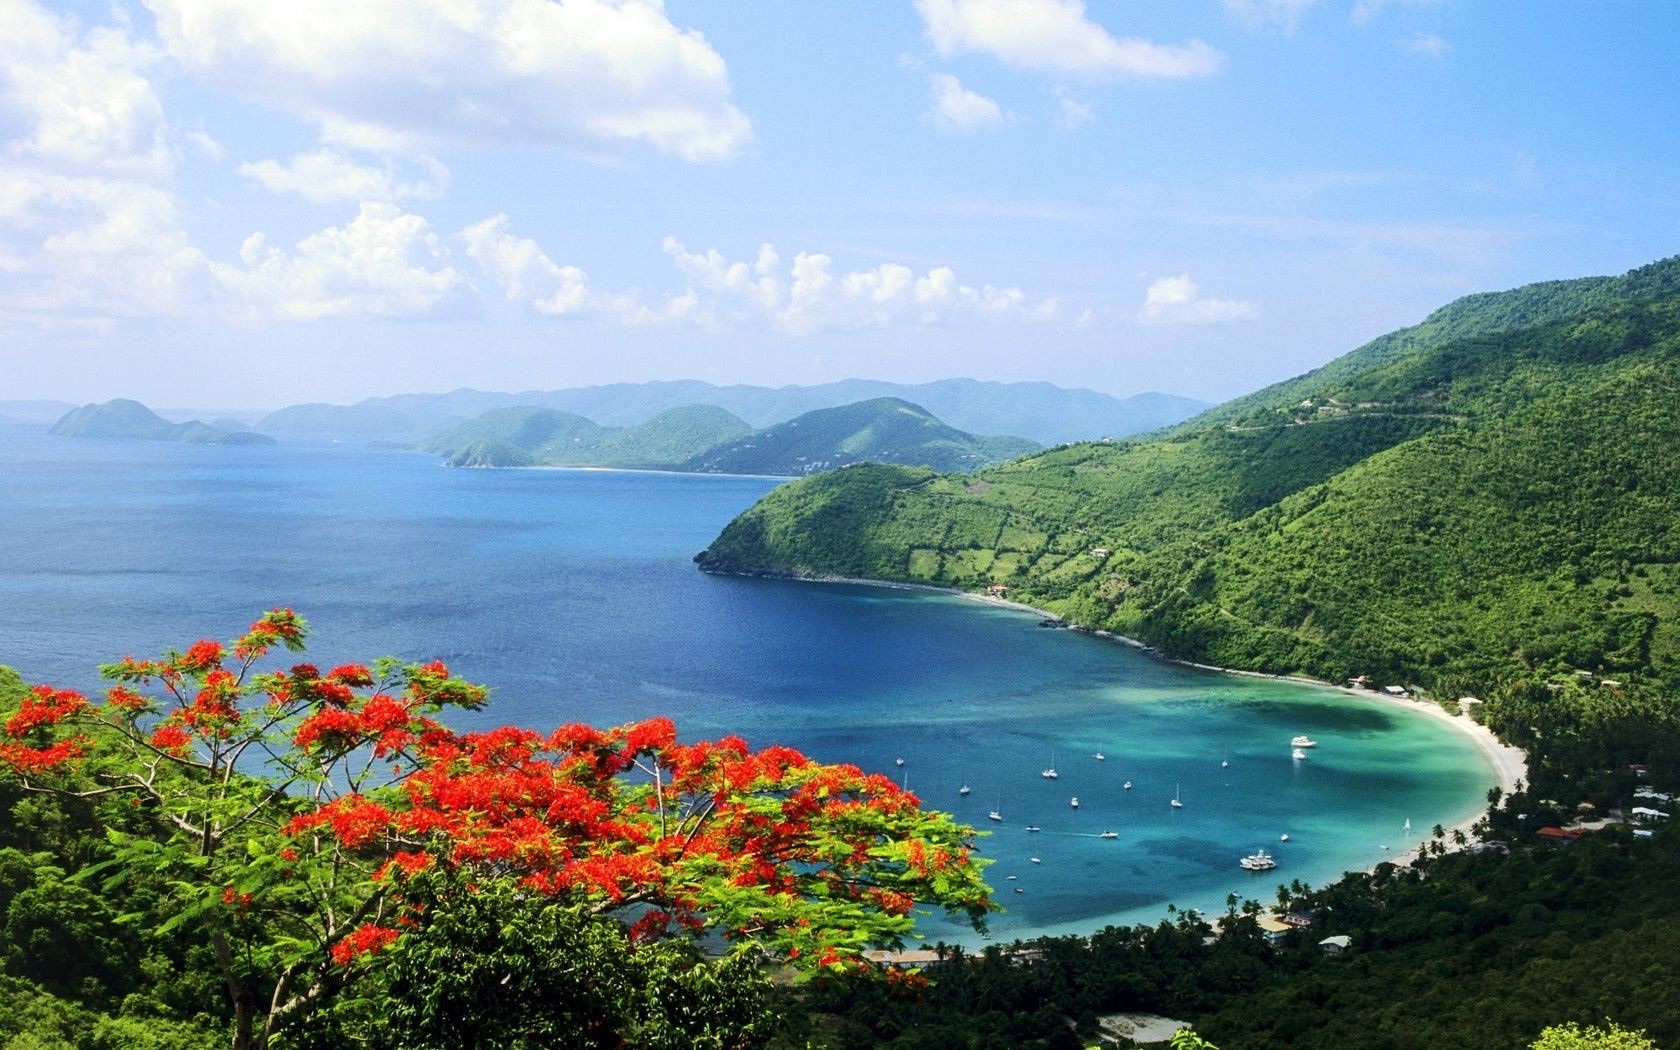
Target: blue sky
{"type": "Point", "coordinates": [244, 204]}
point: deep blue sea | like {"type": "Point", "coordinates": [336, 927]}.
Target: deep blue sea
{"type": "Point", "coordinates": [572, 594]}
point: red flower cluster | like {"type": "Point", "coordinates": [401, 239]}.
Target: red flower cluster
{"type": "Point", "coordinates": [45, 706]}
{"type": "Point", "coordinates": [767, 844]}
{"type": "Point", "coordinates": [201, 656]}
{"type": "Point", "coordinates": [364, 940]}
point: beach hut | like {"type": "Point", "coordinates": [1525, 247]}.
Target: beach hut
{"type": "Point", "coordinates": [1274, 929]}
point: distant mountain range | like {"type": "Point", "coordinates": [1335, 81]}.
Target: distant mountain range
{"type": "Point", "coordinates": [707, 439]}
{"type": "Point", "coordinates": [125, 419]}
{"type": "Point", "coordinates": [1041, 411]}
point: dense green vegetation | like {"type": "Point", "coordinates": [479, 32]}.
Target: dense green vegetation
{"type": "Point", "coordinates": [706, 439]}
{"type": "Point", "coordinates": [1040, 411]}
{"type": "Point", "coordinates": [130, 420]}
{"type": "Point", "coordinates": [883, 430]}
{"type": "Point", "coordinates": [71, 973]}
{"type": "Point", "coordinates": [525, 436]}
{"type": "Point", "coordinates": [1460, 950]}
{"type": "Point", "coordinates": [1486, 500]}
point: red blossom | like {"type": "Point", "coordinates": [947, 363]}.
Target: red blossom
{"type": "Point", "coordinates": [25, 759]}
{"type": "Point", "coordinates": [364, 940]}
{"type": "Point", "coordinates": [125, 699]}
{"type": "Point", "coordinates": [44, 706]}
{"type": "Point", "coordinates": [351, 674]}
{"type": "Point", "coordinates": [202, 656]}
{"type": "Point", "coordinates": [331, 727]}
{"type": "Point", "coordinates": [170, 737]}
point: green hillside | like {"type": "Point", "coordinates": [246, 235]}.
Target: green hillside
{"type": "Point", "coordinates": [130, 420]}
{"type": "Point", "coordinates": [543, 433]}
{"type": "Point", "coordinates": [527, 436]}
{"type": "Point", "coordinates": [669, 438]}
{"type": "Point", "coordinates": [881, 430]}
{"type": "Point", "coordinates": [704, 438]}
{"type": "Point", "coordinates": [1489, 497]}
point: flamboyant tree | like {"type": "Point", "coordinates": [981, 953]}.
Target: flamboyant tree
{"type": "Point", "coordinates": [288, 810]}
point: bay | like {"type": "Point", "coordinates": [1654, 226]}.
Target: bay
{"type": "Point", "coordinates": [572, 594]}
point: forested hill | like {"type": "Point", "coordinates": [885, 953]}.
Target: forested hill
{"type": "Point", "coordinates": [882, 430]}
{"type": "Point", "coordinates": [1490, 496]}
{"type": "Point", "coordinates": [526, 436]}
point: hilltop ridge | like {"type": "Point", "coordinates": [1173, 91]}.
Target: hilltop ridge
{"type": "Point", "coordinates": [1489, 496]}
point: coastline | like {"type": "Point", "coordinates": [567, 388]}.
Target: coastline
{"type": "Point", "coordinates": [1509, 764]}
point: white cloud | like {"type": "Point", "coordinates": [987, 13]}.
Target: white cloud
{"type": "Point", "coordinates": [414, 76]}
{"type": "Point", "coordinates": [329, 175]}
{"type": "Point", "coordinates": [960, 109]}
{"type": "Point", "coordinates": [89, 247]}
{"type": "Point", "coordinates": [723, 294]}
{"type": "Point", "coordinates": [78, 102]}
{"type": "Point", "coordinates": [205, 146]}
{"type": "Point", "coordinates": [1365, 10]}
{"type": "Point", "coordinates": [1055, 37]}
{"type": "Point", "coordinates": [1427, 44]}
{"type": "Point", "coordinates": [87, 231]}
{"type": "Point", "coordinates": [1177, 300]}
{"type": "Point", "coordinates": [524, 271]}
{"type": "Point", "coordinates": [1284, 15]}
{"type": "Point", "coordinates": [383, 263]}
{"type": "Point", "coordinates": [1072, 112]}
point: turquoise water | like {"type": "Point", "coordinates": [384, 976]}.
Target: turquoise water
{"type": "Point", "coordinates": [572, 594]}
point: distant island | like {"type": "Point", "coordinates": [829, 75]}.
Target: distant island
{"type": "Point", "coordinates": [127, 420]}
{"type": "Point", "coordinates": [708, 439]}
{"type": "Point", "coordinates": [1043, 412]}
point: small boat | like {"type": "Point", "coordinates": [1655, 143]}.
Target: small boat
{"type": "Point", "coordinates": [1019, 890]}
{"type": "Point", "coordinates": [994, 815]}
{"type": "Point", "coordinates": [1127, 785]}
{"type": "Point", "coordinates": [898, 761]}
{"type": "Point", "coordinates": [963, 790]}
{"type": "Point", "coordinates": [1032, 827]}
{"type": "Point", "coordinates": [1074, 802]}
{"type": "Point", "coordinates": [1177, 802]}
{"type": "Point", "coordinates": [1297, 754]}
{"type": "Point", "coordinates": [1284, 837]}
{"type": "Point", "coordinates": [1010, 878]}
{"type": "Point", "coordinates": [1109, 835]}
{"type": "Point", "coordinates": [1408, 823]}
{"type": "Point", "coordinates": [1303, 741]}
{"type": "Point", "coordinates": [1259, 860]}
{"type": "Point", "coordinates": [1225, 764]}
{"type": "Point", "coordinates": [1035, 860]}
{"type": "Point", "coordinates": [1050, 774]}
{"type": "Point", "coordinates": [1099, 756]}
